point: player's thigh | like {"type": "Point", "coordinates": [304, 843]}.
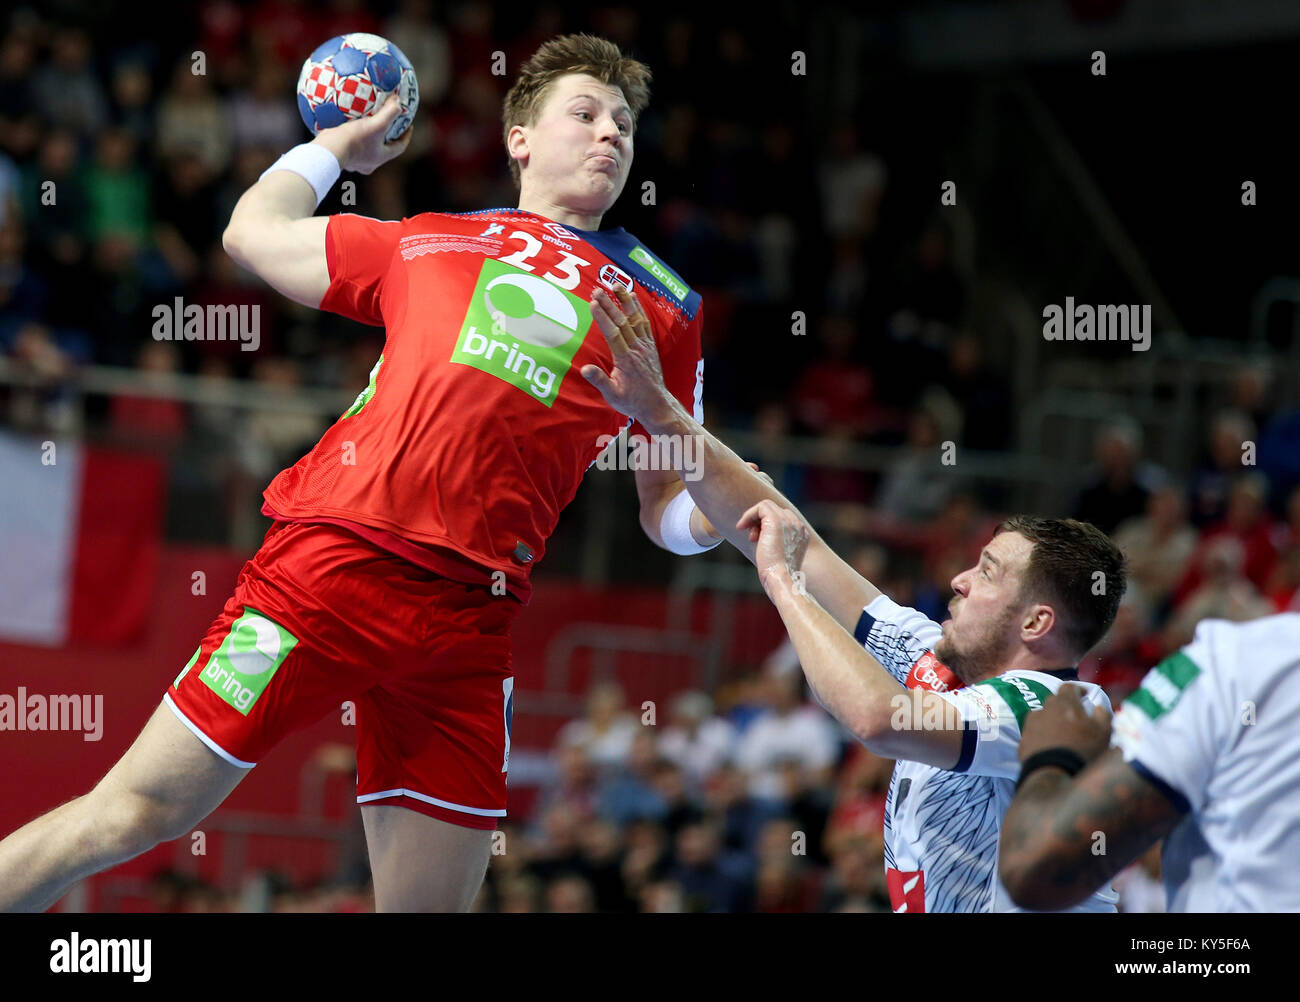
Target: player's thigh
{"type": "Point", "coordinates": [167, 781]}
{"type": "Point", "coordinates": [419, 863]}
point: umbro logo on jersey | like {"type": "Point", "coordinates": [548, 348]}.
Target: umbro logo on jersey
{"type": "Point", "coordinates": [560, 231]}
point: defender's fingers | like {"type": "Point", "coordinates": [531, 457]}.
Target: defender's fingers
{"type": "Point", "coordinates": [630, 331]}
{"type": "Point", "coordinates": [632, 308]}
{"type": "Point", "coordinates": [608, 325]}
{"type": "Point", "coordinates": [597, 377]}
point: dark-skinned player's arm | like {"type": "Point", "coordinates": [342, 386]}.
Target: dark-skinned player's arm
{"type": "Point", "coordinates": [727, 486]}
{"type": "Point", "coordinates": [1048, 857]}
{"type": "Point", "coordinates": [853, 686]}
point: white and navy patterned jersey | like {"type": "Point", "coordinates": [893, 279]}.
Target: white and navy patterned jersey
{"type": "Point", "coordinates": [942, 826]}
{"type": "Point", "coordinates": [1215, 727]}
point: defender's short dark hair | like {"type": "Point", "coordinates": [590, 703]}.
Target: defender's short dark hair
{"type": "Point", "coordinates": [1063, 572]}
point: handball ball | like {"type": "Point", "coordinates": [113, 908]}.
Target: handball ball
{"type": "Point", "coordinates": [349, 76]}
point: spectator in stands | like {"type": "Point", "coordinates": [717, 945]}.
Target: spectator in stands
{"type": "Point", "coordinates": [696, 740]}
{"type": "Point", "coordinates": [259, 114]}
{"type": "Point", "coordinates": [645, 859]}
{"type": "Point", "coordinates": [19, 127]}
{"type": "Point", "coordinates": [1127, 651]}
{"type": "Point", "coordinates": [711, 879]}
{"type": "Point", "coordinates": [835, 395]}
{"type": "Point", "coordinates": [575, 784]}
{"type": "Point", "coordinates": [627, 792]}
{"type": "Point", "coordinates": [569, 894]}
{"type": "Point", "coordinates": [852, 182]}
{"type": "Point", "coordinates": [117, 189]}
{"type": "Point", "coordinates": [1224, 463]}
{"type": "Point", "coordinates": [786, 878]}
{"type": "Point", "coordinates": [857, 879]}
{"type": "Point", "coordinates": [57, 232]}
{"type": "Point", "coordinates": [860, 792]}
{"type": "Point", "coordinates": [1122, 483]}
{"type": "Point", "coordinates": [133, 112]}
{"type": "Point", "coordinates": [741, 817]}
{"type": "Point", "coordinates": [65, 89]}
{"type": "Point", "coordinates": [983, 396]}
{"type": "Point", "coordinates": [915, 488]}
{"type": "Point", "coordinates": [559, 849]}
{"type": "Point", "coordinates": [24, 294]}
{"type": "Point", "coordinates": [791, 730]}
{"type": "Point", "coordinates": [519, 895]}
{"type": "Point", "coordinates": [602, 855]}
{"type": "Point", "coordinates": [682, 808]}
{"type": "Point", "coordinates": [1283, 587]}
{"type": "Point", "coordinates": [192, 119]}
{"type": "Point", "coordinates": [151, 419]}
{"type": "Point", "coordinates": [424, 42]}
{"type": "Point", "coordinates": [1225, 593]}
{"type": "Point", "coordinates": [1158, 545]}
{"type": "Point", "coordinates": [1247, 521]}
{"type": "Point", "coordinates": [606, 731]}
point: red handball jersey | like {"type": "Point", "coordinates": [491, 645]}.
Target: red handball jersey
{"type": "Point", "coordinates": [477, 427]}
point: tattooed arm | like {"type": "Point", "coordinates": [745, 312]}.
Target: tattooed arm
{"type": "Point", "coordinates": [1052, 855]}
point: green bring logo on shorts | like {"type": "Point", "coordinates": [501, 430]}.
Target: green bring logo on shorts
{"type": "Point", "coordinates": [522, 329]}
{"type": "Point", "coordinates": [241, 668]}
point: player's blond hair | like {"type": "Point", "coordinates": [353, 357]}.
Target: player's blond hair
{"type": "Point", "coordinates": [562, 56]}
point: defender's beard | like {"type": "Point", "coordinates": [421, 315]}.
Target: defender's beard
{"type": "Point", "coordinates": [982, 657]}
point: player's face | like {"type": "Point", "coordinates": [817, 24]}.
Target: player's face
{"type": "Point", "coordinates": [580, 148]}
{"type": "Point", "coordinates": [985, 608]}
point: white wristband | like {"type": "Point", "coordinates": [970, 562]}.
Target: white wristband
{"type": "Point", "coordinates": [314, 164]}
{"type": "Point", "coordinates": [675, 527]}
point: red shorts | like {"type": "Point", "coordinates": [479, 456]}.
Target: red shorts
{"type": "Point", "coordinates": [320, 616]}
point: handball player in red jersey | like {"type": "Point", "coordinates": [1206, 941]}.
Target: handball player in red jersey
{"type": "Point", "coordinates": [401, 545]}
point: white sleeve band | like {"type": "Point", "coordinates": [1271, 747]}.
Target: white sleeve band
{"type": "Point", "coordinates": [675, 527]}
{"type": "Point", "coordinates": [314, 164]}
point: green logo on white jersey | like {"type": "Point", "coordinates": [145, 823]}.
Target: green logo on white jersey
{"type": "Point", "coordinates": [241, 668]}
{"type": "Point", "coordinates": [522, 329]}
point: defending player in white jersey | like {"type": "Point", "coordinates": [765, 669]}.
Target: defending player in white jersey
{"type": "Point", "coordinates": [1205, 754]}
{"type": "Point", "coordinates": [946, 701]}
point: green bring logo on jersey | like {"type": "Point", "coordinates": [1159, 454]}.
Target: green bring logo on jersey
{"type": "Point", "coordinates": [522, 329]}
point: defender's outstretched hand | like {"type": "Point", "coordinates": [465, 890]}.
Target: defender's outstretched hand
{"type": "Point", "coordinates": [782, 537]}
{"type": "Point", "coordinates": [635, 385]}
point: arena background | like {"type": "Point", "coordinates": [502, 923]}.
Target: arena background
{"type": "Point", "coordinates": [920, 404]}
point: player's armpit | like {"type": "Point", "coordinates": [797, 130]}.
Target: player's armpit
{"type": "Point", "coordinates": [1063, 838]}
